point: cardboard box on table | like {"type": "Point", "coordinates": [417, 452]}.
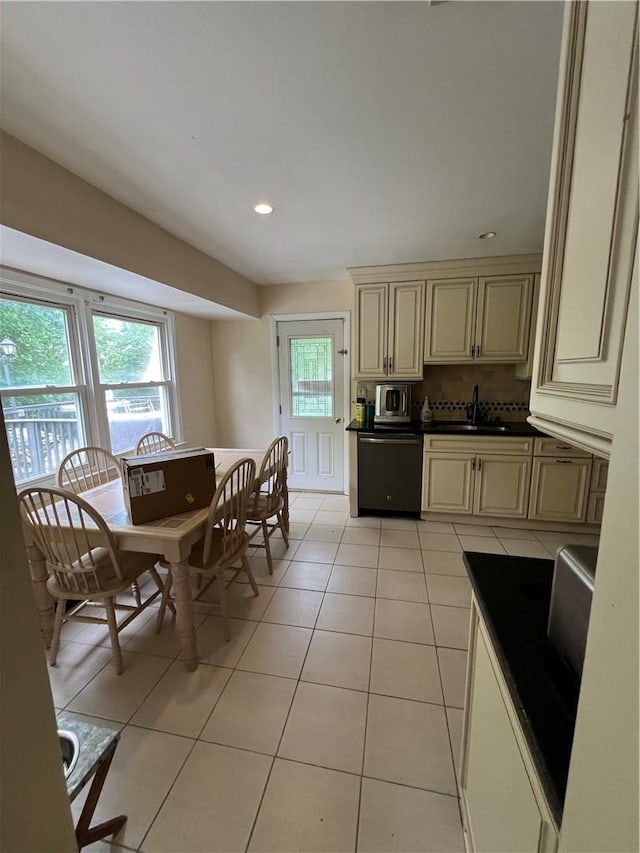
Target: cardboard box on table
{"type": "Point", "coordinates": [163, 484]}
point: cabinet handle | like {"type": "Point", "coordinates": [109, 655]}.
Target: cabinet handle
{"type": "Point", "coordinates": [479, 464]}
{"type": "Point", "coordinates": [390, 365]}
{"type": "Point", "coordinates": [473, 464]}
{"type": "Point", "coordinates": [384, 365]}
{"type": "Point", "coordinates": [563, 447]}
{"type": "Point", "coordinates": [564, 461]}
{"type": "Point", "coordinates": [473, 350]}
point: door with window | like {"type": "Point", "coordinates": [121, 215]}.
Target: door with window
{"type": "Point", "coordinates": [312, 362]}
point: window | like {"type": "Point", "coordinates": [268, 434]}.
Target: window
{"type": "Point", "coordinates": [79, 369]}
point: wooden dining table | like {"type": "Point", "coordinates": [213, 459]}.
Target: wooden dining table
{"type": "Point", "coordinates": [171, 538]}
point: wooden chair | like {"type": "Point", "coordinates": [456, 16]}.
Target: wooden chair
{"type": "Point", "coordinates": [154, 442]}
{"type": "Point", "coordinates": [87, 467]}
{"type": "Point", "coordinates": [225, 541]}
{"type": "Point", "coordinates": [269, 500]}
{"type": "Point", "coordinates": [84, 562]}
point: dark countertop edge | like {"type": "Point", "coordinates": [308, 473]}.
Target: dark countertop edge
{"type": "Point", "coordinates": [556, 804]}
{"type": "Point", "coordinates": [517, 429]}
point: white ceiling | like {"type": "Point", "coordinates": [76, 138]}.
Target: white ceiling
{"type": "Point", "coordinates": [381, 132]}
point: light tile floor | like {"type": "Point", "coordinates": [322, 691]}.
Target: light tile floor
{"type": "Point", "coordinates": [330, 722]}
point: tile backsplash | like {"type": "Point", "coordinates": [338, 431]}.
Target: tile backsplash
{"type": "Point", "coordinates": [450, 387]}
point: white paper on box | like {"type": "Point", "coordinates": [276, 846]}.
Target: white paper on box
{"type": "Point", "coordinates": [145, 483]}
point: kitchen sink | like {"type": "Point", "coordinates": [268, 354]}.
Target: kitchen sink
{"type": "Point", "coordinates": [464, 427]}
{"type": "Point", "coordinates": [70, 747]}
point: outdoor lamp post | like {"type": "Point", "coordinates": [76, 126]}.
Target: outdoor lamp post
{"type": "Point", "coordinates": [8, 350]}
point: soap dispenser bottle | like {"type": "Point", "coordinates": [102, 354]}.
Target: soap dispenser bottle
{"type": "Point", "coordinates": [426, 415]}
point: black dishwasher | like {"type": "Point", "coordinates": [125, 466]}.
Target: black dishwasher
{"type": "Point", "coordinates": [390, 472]}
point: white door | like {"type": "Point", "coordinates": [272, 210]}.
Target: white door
{"type": "Point", "coordinates": [312, 363]}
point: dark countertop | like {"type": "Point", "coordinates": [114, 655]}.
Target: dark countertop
{"type": "Point", "coordinates": [513, 595]}
{"type": "Point", "coordinates": [418, 428]}
{"type": "Point", "coordinates": [94, 741]}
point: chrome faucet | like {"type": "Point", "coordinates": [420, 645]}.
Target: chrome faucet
{"type": "Point", "coordinates": [474, 414]}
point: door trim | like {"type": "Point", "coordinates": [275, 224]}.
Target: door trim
{"type": "Point", "coordinates": [275, 371]}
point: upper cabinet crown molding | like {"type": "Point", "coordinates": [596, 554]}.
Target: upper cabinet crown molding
{"type": "Point", "coordinates": [591, 236]}
{"type": "Point", "coordinates": [456, 268]}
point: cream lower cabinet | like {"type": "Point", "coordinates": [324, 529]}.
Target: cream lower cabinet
{"type": "Point", "coordinates": [503, 807]}
{"type": "Point", "coordinates": [559, 489]}
{"type": "Point", "coordinates": [448, 480]}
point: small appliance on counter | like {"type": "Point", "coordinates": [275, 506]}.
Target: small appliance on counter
{"type": "Point", "coordinates": [393, 404]}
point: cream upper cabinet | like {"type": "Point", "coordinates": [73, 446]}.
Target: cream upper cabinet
{"type": "Point", "coordinates": [389, 330]}
{"type": "Point", "coordinates": [590, 257]}
{"type": "Point", "coordinates": [502, 486]}
{"type": "Point", "coordinates": [484, 319]}
{"type": "Point", "coordinates": [559, 489]}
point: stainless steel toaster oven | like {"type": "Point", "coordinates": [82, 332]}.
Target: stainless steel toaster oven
{"type": "Point", "coordinates": [393, 404]}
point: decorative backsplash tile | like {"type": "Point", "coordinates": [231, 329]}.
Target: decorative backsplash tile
{"type": "Point", "coordinates": [456, 410]}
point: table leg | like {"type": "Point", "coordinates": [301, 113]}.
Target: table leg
{"type": "Point", "coordinates": [44, 602]}
{"type": "Point", "coordinates": [185, 623]}
{"type": "Point", "coordinates": [85, 833]}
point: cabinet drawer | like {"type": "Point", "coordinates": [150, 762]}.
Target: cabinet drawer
{"type": "Point", "coordinates": [516, 446]}
{"type": "Point", "coordinates": [553, 447]}
{"type": "Point", "coordinates": [599, 472]}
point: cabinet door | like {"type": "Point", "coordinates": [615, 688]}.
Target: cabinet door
{"type": "Point", "coordinates": [500, 807]}
{"type": "Point", "coordinates": [448, 483]}
{"type": "Point", "coordinates": [450, 320]}
{"type": "Point", "coordinates": [406, 329]}
{"type": "Point", "coordinates": [371, 331]}
{"type": "Point", "coordinates": [502, 486]}
{"type": "Point", "coordinates": [599, 473]}
{"type": "Point", "coordinates": [559, 489]}
{"type": "Point", "coordinates": [503, 318]}
{"type": "Point", "coordinates": [595, 508]}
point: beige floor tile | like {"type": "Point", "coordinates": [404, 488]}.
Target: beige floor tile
{"type": "Point", "coordinates": [242, 603]}
{"type": "Point", "coordinates": [307, 809]}
{"type": "Point", "coordinates": [400, 559]}
{"type": "Point", "coordinates": [276, 650]}
{"type": "Point", "coordinates": [297, 530]}
{"type": "Point", "coordinates": [486, 544]}
{"type": "Point", "coordinates": [213, 802]}
{"type": "Point", "coordinates": [406, 670]}
{"type": "Point", "coordinates": [513, 533]}
{"type": "Point", "coordinates": [448, 589]}
{"type": "Point", "coordinates": [212, 646]}
{"type": "Point", "coordinates": [453, 671]}
{"type": "Point", "coordinates": [405, 586]}
{"type": "Point", "coordinates": [439, 542]}
{"type": "Point", "coordinates": [294, 607]}
{"type": "Point", "coordinates": [182, 701]}
{"type": "Point", "coordinates": [333, 517]}
{"type": "Point", "coordinates": [364, 521]}
{"type": "Point", "coordinates": [340, 660]}
{"type": "Point", "coordinates": [307, 502]}
{"type": "Point", "coordinates": [361, 536]}
{"type": "Point", "coordinates": [324, 532]}
{"type": "Point", "coordinates": [300, 514]}
{"type": "Point", "coordinates": [524, 548]}
{"type": "Point", "coordinates": [144, 767]}
{"type": "Point", "coordinates": [357, 555]}
{"type": "Point", "coordinates": [473, 530]}
{"type": "Point", "coordinates": [316, 552]}
{"type": "Point", "coordinates": [399, 538]}
{"type": "Point", "coordinates": [553, 548]}
{"type": "Point", "coordinates": [403, 620]}
{"type": "Point", "coordinates": [76, 665]}
{"type": "Point", "coordinates": [307, 576]}
{"type": "Point", "coordinates": [353, 580]}
{"type": "Point", "coordinates": [279, 551]}
{"type": "Point", "coordinates": [398, 524]}
{"type": "Point", "coordinates": [117, 697]}
{"type": "Point", "coordinates": [260, 568]}
{"type": "Point", "coordinates": [336, 503]}
{"type": "Point", "coordinates": [98, 635]}
{"type": "Point", "coordinates": [451, 626]}
{"type": "Point", "coordinates": [397, 819]}
{"type": "Point", "coordinates": [454, 721]}
{"type": "Point", "coordinates": [165, 644]}
{"type": "Point", "coordinates": [567, 538]}
{"type": "Point", "coordinates": [352, 614]}
{"type": "Point", "coordinates": [444, 563]}
{"type": "Point", "coordinates": [435, 527]}
{"type": "Point", "coordinates": [251, 712]}
{"type": "Point", "coordinates": [408, 743]}
{"type": "Point", "coordinates": [326, 726]}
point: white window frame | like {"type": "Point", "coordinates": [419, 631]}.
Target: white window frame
{"type": "Point", "coordinates": [81, 304]}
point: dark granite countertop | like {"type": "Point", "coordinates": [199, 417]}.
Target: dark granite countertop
{"type": "Point", "coordinates": [513, 595]}
{"type": "Point", "coordinates": [94, 742]}
{"type": "Point", "coordinates": [418, 428]}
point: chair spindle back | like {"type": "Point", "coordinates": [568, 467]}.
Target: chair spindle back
{"type": "Point", "coordinates": [87, 467]}
{"type": "Point", "coordinates": [154, 442]}
{"type": "Point", "coordinates": [228, 508]}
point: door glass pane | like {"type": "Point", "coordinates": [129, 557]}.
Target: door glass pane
{"type": "Point", "coordinates": [34, 345]}
{"type": "Point", "coordinates": [128, 351]}
{"type": "Point", "coordinates": [133, 411]}
{"type": "Point", "coordinates": [311, 377]}
{"type": "Point", "coordinates": [41, 431]}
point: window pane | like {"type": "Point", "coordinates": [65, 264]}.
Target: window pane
{"type": "Point", "coordinates": [41, 431]}
{"type": "Point", "coordinates": [311, 377]}
{"type": "Point", "coordinates": [132, 412]}
{"type": "Point", "coordinates": [128, 351]}
{"type": "Point", "coordinates": [34, 345]}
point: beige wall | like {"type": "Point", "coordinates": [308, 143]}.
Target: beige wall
{"type": "Point", "coordinates": [33, 796]}
{"type": "Point", "coordinates": [44, 200]}
{"type": "Point", "coordinates": [195, 381]}
{"type": "Point", "coordinates": [242, 354]}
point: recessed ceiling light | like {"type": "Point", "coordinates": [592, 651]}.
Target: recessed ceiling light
{"type": "Point", "coordinates": [263, 208]}
{"type": "Point", "coordinates": [488, 235]}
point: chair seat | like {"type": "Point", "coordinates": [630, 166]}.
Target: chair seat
{"type": "Point", "coordinates": [262, 507]}
{"type": "Point", "coordinates": [107, 583]}
{"type": "Point", "coordinates": [217, 561]}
